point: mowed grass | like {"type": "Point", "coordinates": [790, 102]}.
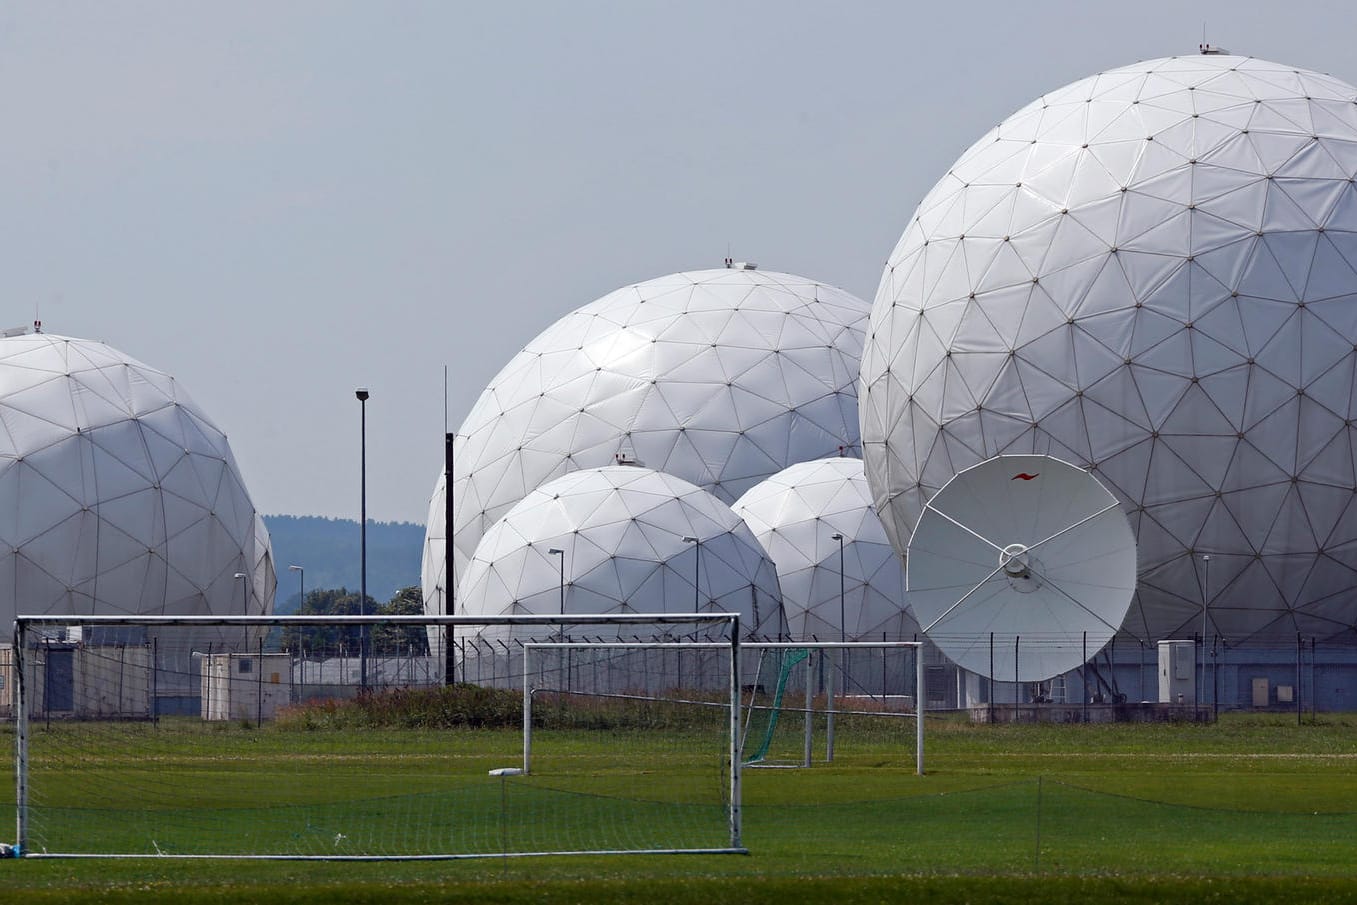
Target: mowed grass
{"type": "Point", "coordinates": [1254, 808]}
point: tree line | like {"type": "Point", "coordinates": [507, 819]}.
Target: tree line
{"type": "Point", "coordinates": [383, 640]}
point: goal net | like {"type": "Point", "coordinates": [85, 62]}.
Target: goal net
{"type": "Point", "coordinates": [370, 737]}
{"type": "Point", "coordinates": [800, 701]}
{"type": "Point", "coordinates": [809, 701]}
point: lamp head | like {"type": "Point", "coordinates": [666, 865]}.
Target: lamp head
{"type": "Point", "coordinates": [361, 393]}
{"type": "Point", "coordinates": [241, 575]}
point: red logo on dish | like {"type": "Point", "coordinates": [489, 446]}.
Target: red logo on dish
{"type": "Point", "coordinates": [1022, 475]}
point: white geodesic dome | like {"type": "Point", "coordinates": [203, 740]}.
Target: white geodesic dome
{"type": "Point", "coordinates": [621, 531]}
{"type": "Point", "coordinates": [795, 515]}
{"type": "Point", "coordinates": [720, 377]}
{"type": "Point", "coordinates": [118, 496]}
{"type": "Point", "coordinates": [1150, 274]}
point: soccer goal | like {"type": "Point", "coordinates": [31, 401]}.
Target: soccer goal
{"type": "Point", "coordinates": [858, 698]}
{"type": "Point", "coordinates": [797, 698]}
{"type": "Point", "coordinates": [359, 738]}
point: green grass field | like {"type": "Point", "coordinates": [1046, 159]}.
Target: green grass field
{"type": "Point", "coordinates": [1254, 808]}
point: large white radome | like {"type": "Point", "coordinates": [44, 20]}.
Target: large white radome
{"type": "Point", "coordinates": [621, 530]}
{"type": "Point", "coordinates": [1148, 273]}
{"type": "Point", "coordinates": [795, 515]}
{"type": "Point", "coordinates": [720, 377]}
{"type": "Point", "coordinates": [118, 496]}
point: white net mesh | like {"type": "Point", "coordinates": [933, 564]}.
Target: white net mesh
{"type": "Point", "coordinates": [340, 739]}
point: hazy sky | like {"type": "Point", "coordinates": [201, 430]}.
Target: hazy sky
{"type": "Point", "coordinates": [278, 202]}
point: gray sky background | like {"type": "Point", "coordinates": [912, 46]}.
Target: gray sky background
{"type": "Point", "coordinates": [279, 202]}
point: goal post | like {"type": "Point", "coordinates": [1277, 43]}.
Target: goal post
{"type": "Point", "coordinates": [679, 696]}
{"type": "Point", "coordinates": [338, 738]}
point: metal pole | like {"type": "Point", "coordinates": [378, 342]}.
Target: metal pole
{"type": "Point", "coordinates": [21, 739]}
{"type": "Point", "coordinates": [919, 696]}
{"type": "Point", "coordinates": [843, 620]}
{"type": "Point", "coordinates": [829, 711]}
{"type": "Point", "coordinates": [697, 599]}
{"type": "Point", "coordinates": [301, 585]}
{"type": "Point", "coordinates": [1314, 688]}
{"type": "Point", "coordinates": [527, 711]}
{"type": "Point", "coordinates": [809, 710]}
{"type": "Point", "coordinates": [991, 677]}
{"type": "Point", "coordinates": [843, 659]}
{"type": "Point", "coordinates": [259, 686]}
{"type": "Point", "coordinates": [560, 627]}
{"type": "Point", "coordinates": [1299, 647]}
{"type": "Point", "coordinates": [1140, 669]}
{"type": "Point", "coordinates": [1206, 602]}
{"type": "Point", "coordinates": [1215, 678]}
{"type": "Point", "coordinates": [1224, 649]}
{"type": "Point", "coordinates": [449, 573]}
{"type": "Point", "coordinates": [362, 395]}
{"type": "Point", "coordinates": [697, 575]}
{"type": "Point", "coordinates": [736, 753]}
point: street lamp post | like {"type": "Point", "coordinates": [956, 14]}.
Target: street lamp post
{"type": "Point", "coordinates": [362, 395]}
{"type": "Point", "coordinates": [697, 596]}
{"type": "Point", "coordinates": [244, 592]}
{"type": "Point", "coordinates": [843, 621]}
{"type": "Point", "coordinates": [560, 629]}
{"type": "Point", "coordinates": [301, 584]}
{"type": "Point", "coordinates": [697, 570]}
{"type": "Point", "coordinates": [560, 555]}
{"type": "Point", "coordinates": [843, 657]}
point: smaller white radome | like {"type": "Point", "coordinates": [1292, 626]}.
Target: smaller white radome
{"type": "Point", "coordinates": [721, 377]}
{"type": "Point", "coordinates": [795, 515]}
{"type": "Point", "coordinates": [621, 530]}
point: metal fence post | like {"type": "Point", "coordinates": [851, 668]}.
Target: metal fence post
{"type": "Point", "coordinates": [21, 739]}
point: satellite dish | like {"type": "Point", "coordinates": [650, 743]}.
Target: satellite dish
{"type": "Point", "coordinates": [1029, 550]}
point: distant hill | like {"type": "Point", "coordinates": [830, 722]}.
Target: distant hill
{"type": "Point", "coordinates": [328, 549]}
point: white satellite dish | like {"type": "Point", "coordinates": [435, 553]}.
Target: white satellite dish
{"type": "Point", "coordinates": [1028, 551]}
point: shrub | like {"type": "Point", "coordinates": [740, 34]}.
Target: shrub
{"type": "Point", "coordinates": [461, 706]}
